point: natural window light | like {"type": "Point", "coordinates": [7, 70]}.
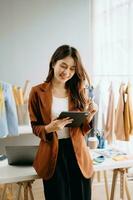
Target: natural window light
{"type": "Point", "coordinates": [112, 32]}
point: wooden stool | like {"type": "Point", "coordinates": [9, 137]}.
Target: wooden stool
{"type": "Point", "coordinates": [27, 191]}
{"type": "Point", "coordinates": [123, 184]}
{"type": "Point", "coordinates": [6, 192]}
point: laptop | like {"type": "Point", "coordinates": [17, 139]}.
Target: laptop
{"type": "Point", "coordinates": [20, 155]}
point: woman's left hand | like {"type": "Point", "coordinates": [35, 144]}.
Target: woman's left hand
{"type": "Point", "coordinates": [92, 109]}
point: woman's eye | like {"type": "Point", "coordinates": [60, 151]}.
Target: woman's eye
{"type": "Point", "coordinates": [63, 66]}
{"type": "Point", "coordinates": [73, 69]}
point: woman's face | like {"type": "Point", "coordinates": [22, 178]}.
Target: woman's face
{"type": "Point", "coordinates": [64, 69]}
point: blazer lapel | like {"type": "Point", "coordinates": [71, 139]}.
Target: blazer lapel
{"type": "Point", "coordinates": [46, 101]}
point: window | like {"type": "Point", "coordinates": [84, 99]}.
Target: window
{"type": "Point", "coordinates": [112, 32]}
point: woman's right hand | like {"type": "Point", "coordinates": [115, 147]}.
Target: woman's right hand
{"type": "Point", "coordinates": [57, 124]}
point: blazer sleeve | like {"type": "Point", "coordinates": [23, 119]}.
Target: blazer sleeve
{"type": "Point", "coordinates": [37, 124]}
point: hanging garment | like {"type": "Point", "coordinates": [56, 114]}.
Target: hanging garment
{"type": "Point", "coordinates": [3, 121]}
{"type": "Point", "coordinates": [90, 95]}
{"type": "Point", "coordinates": [90, 89]}
{"type": "Point", "coordinates": [119, 115]}
{"type": "Point", "coordinates": [10, 109]}
{"type": "Point", "coordinates": [109, 126]}
{"type": "Point", "coordinates": [130, 100]}
{"type": "Point", "coordinates": [99, 118]}
{"type": "Point", "coordinates": [128, 113]}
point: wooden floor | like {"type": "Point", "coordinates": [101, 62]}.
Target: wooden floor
{"type": "Point", "coordinates": [98, 190]}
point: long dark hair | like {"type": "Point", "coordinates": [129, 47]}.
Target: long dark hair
{"type": "Point", "coordinates": [76, 83]}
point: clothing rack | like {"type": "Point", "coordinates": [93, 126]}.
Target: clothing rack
{"type": "Point", "coordinates": [113, 75]}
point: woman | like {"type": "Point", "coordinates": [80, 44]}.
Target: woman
{"type": "Point", "coordinates": [62, 160]}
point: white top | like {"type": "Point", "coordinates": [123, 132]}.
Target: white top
{"type": "Point", "coordinates": [59, 105]}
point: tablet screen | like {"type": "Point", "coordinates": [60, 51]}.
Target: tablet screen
{"type": "Point", "coordinates": [78, 117]}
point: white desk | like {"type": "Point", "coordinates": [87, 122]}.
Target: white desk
{"type": "Point", "coordinates": [13, 174]}
{"type": "Point", "coordinates": [118, 167]}
{"type": "Point", "coordinates": [23, 176]}
{"type": "Point", "coordinates": [110, 164]}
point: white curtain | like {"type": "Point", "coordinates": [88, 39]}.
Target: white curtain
{"type": "Point", "coordinates": [112, 33]}
{"type": "Point", "coordinates": [112, 45]}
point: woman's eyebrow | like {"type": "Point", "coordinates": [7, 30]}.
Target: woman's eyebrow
{"type": "Point", "coordinates": [63, 63]}
{"type": "Point", "coordinates": [67, 64]}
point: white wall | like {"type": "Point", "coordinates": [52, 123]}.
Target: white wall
{"type": "Point", "coordinates": [30, 31]}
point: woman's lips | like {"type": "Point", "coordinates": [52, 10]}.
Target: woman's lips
{"type": "Point", "coordinates": [63, 77]}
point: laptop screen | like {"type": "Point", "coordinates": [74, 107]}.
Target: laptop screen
{"type": "Point", "coordinates": [21, 155]}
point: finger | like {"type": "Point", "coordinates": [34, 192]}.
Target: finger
{"type": "Point", "coordinates": [68, 121]}
{"type": "Point", "coordinates": [92, 107]}
{"type": "Point", "coordinates": [66, 118]}
{"type": "Point", "coordinates": [63, 119]}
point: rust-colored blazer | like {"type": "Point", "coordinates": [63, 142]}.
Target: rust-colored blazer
{"type": "Point", "coordinates": [40, 102]}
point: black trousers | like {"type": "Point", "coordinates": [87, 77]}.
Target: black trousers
{"type": "Point", "coordinates": [67, 183]}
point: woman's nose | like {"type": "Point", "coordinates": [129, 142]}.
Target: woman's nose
{"type": "Point", "coordinates": [66, 71]}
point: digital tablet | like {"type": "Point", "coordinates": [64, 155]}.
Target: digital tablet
{"type": "Point", "coordinates": [78, 117]}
